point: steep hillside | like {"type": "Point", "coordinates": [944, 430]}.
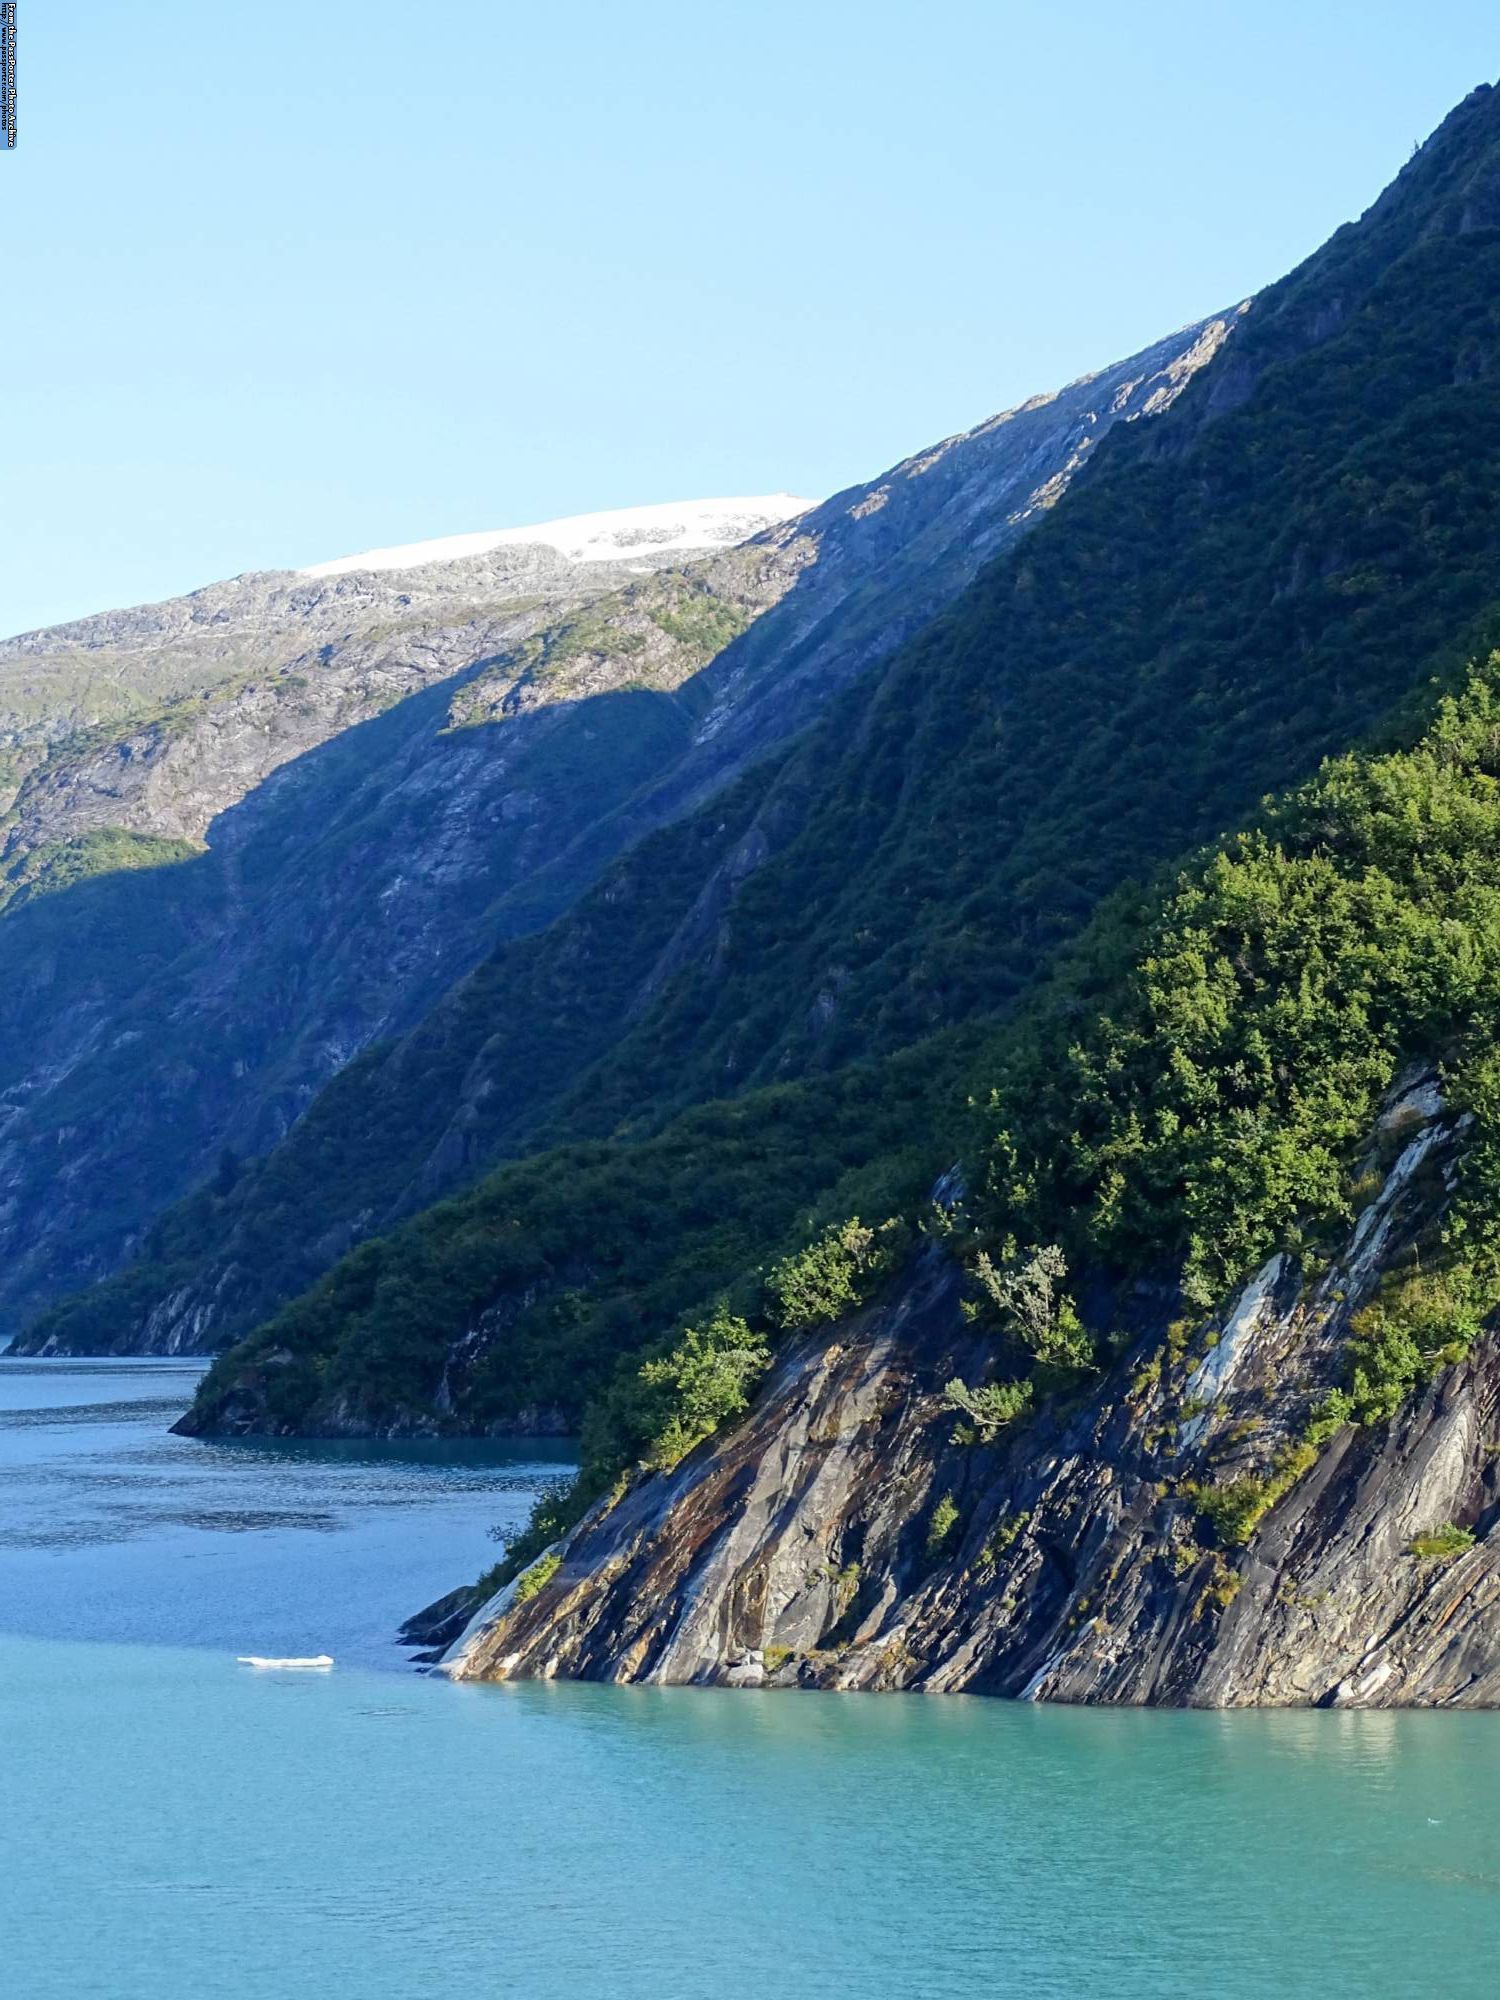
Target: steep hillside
{"type": "Point", "coordinates": [840, 1538]}
{"type": "Point", "coordinates": [1247, 582]}
{"type": "Point", "coordinates": [1193, 1398]}
{"type": "Point", "coordinates": [152, 721]}
{"type": "Point", "coordinates": [1189, 1396]}
{"type": "Point", "coordinates": [475, 810]}
{"type": "Point", "coordinates": [382, 831]}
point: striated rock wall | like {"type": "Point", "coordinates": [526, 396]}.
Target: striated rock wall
{"type": "Point", "coordinates": [808, 1548]}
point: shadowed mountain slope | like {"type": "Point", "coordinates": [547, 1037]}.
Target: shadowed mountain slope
{"type": "Point", "coordinates": [1277, 565]}
{"type": "Point", "coordinates": [340, 898]}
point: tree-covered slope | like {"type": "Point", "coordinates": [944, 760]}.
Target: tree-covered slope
{"type": "Point", "coordinates": [510, 1305]}
{"type": "Point", "coordinates": [1192, 1397]}
{"type": "Point", "coordinates": [1277, 566]}
{"type": "Point", "coordinates": [1191, 1093]}
{"type": "Point", "coordinates": [1234, 591]}
{"type": "Point", "coordinates": [473, 812]}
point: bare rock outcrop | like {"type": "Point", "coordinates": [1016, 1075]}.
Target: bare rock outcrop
{"type": "Point", "coordinates": [841, 1538]}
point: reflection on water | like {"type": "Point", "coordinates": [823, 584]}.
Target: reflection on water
{"type": "Point", "coordinates": [178, 1827]}
{"type": "Point", "coordinates": [38, 1389]}
{"type": "Point", "coordinates": [112, 1528]}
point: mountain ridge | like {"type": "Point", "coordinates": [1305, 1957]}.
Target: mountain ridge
{"type": "Point", "coordinates": [840, 586]}
{"type": "Point", "coordinates": [1177, 1388]}
{"type": "Point", "coordinates": [1186, 1397]}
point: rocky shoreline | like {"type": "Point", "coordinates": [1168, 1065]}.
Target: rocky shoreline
{"type": "Point", "coordinates": [841, 1538]}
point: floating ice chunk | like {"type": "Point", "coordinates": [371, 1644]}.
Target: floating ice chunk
{"type": "Point", "coordinates": [260, 1660]}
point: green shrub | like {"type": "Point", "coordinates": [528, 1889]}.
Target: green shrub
{"type": "Point", "coordinates": [535, 1579]}
{"type": "Point", "coordinates": [553, 1513]}
{"type": "Point", "coordinates": [1335, 1410]}
{"type": "Point", "coordinates": [1234, 1509]}
{"type": "Point", "coordinates": [989, 1409]}
{"type": "Point", "coordinates": [1223, 1585]}
{"type": "Point", "coordinates": [705, 1380]}
{"type": "Point", "coordinates": [1026, 1299]}
{"type": "Point", "coordinates": [1005, 1533]}
{"type": "Point", "coordinates": [1413, 1327]}
{"type": "Point", "coordinates": [1237, 1509]}
{"type": "Point", "coordinates": [1441, 1544]}
{"type": "Point", "coordinates": [835, 1273]}
{"type": "Point", "coordinates": [941, 1527]}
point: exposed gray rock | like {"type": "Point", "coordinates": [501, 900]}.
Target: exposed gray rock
{"type": "Point", "coordinates": [1081, 1567]}
{"type": "Point", "coordinates": [440, 1623]}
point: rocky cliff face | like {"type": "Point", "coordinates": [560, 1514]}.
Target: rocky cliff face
{"type": "Point", "coordinates": [342, 810]}
{"type": "Point", "coordinates": [468, 745]}
{"type": "Point", "coordinates": [841, 1538]}
{"type": "Point", "coordinates": [157, 719]}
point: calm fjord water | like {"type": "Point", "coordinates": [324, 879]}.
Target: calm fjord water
{"type": "Point", "coordinates": [175, 1825]}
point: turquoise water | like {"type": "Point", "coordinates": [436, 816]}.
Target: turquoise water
{"type": "Point", "coordinates": [176, 1826]}
{"type": "Point", "coordinates": [111, 1528]}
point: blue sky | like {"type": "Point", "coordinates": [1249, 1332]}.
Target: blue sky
{"type": "Point", "coordinates": [290, 280]}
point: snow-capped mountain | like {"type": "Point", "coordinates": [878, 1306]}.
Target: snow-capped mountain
{"type": "Point", "coordinates": [613, 536]}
